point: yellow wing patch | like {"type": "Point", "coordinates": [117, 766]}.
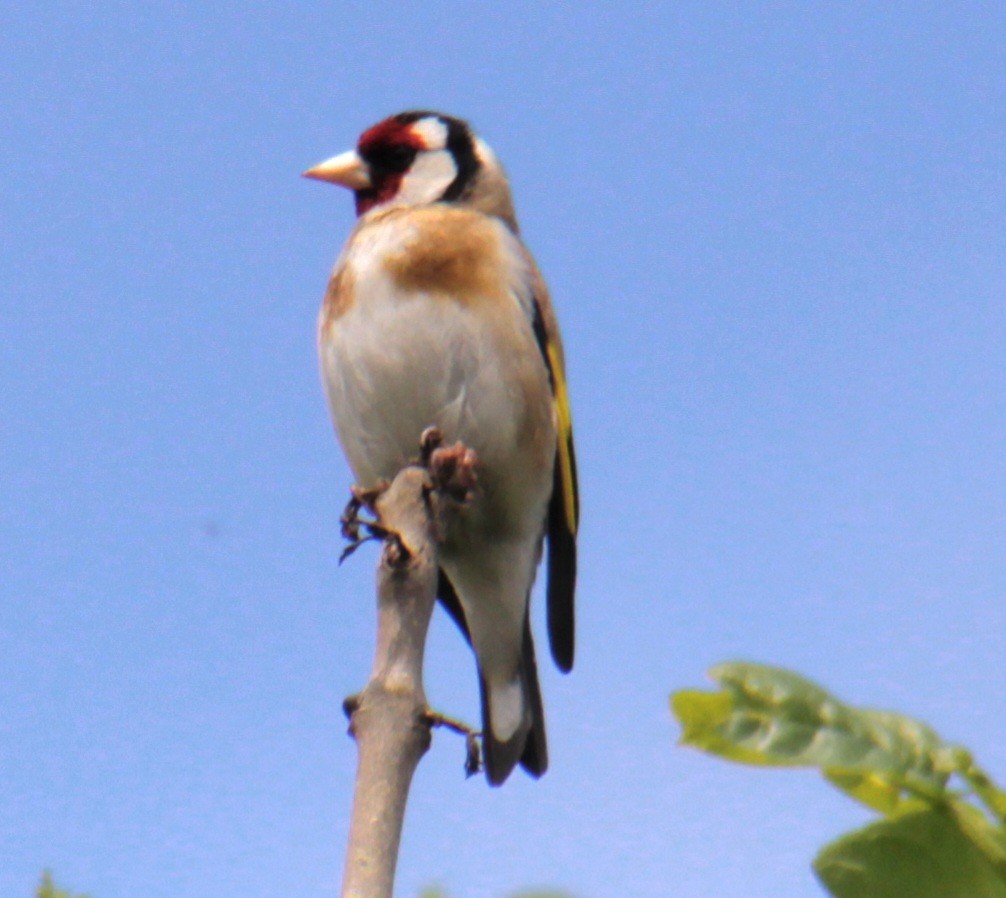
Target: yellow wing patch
{"type": "Point", "coordinates": [564, 425]}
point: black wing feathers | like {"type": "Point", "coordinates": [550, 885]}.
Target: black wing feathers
{"type": "Point", "coordinates": [563, 513]}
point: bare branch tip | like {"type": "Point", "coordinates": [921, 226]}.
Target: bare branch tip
{"type": "Point", "coordinates": [350, 705]}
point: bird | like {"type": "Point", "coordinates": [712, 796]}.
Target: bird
{"type": "Point", "coordinates": [436, 315]}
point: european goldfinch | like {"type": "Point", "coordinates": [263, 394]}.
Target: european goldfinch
{"type": "Point", "coordinates": [436, 315]}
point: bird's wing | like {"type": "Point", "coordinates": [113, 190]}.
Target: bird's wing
{"type": "Point", "coordinates": [564, 506]}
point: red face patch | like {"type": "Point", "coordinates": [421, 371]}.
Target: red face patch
{"type": "Point", "coordinates": [388, 148]}
{"type": "Point", "coordinates": [389, 133]}
{"type": "Point", "coordinates": [381, 192]}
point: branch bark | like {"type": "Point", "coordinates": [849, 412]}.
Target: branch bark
{"type": "Point", "coordinates": [389, 719]}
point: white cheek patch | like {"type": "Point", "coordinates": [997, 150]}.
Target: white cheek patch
{"type": "Point", "coordinates": [432, 131]}
{"type": "Point", "coordinates": [484, 154]}
{"type": "Point", "coordinates": [430, 175]}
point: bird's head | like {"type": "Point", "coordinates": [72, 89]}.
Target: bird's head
{"type": "Point", "coordinates": [419, 158]}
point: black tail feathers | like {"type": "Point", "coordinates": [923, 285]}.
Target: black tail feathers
{"type": "Point", "coordinates": [527, 746]}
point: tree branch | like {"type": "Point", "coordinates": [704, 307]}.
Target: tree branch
{"type": "Point", "coordinates": [390, 719]}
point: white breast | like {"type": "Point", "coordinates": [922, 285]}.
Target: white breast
{"type": "Point", "coordinates": [395, 363]}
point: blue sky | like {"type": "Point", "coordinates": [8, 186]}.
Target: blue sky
{"type": "Point", "coordinates": [775, 237]}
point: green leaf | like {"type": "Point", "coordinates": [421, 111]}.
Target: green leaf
{"type": "Point", "coordinates": [769, 716]}
{"type": "Point", "coordinates": [47, 888]}
{"type": "Point", "coordinates": [921, 854]}
{"type": "Point", "coordinates": [987, 838]}
{"type": "Point", "coordinates": [991, 795]}
{"type": "Point", "coordinates": [534, 893]}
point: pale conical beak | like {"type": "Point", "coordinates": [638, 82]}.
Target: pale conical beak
{"type": "Point", "coordinates": [346, 169]}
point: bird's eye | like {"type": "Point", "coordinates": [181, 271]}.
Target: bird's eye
{"type": "Point", "coordinates": [395, 157]}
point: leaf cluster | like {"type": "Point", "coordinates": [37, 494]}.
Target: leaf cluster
{"type": "Point", "coordinates": [47, 888]}
{"type": "Point", "coordinates": [942, 833]}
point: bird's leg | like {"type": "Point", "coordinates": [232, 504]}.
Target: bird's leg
{"type": "Point", "coordinates": [473, 753]}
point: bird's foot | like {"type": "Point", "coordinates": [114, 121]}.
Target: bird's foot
{"type": "Point", "coordinates": [452, 470]}
{"type": "Point", "coordinates": [351, 523]}
{"type": "Point", "coordinates": [473, 752]}
{"type": "Point", "coordinates": [430, 440]}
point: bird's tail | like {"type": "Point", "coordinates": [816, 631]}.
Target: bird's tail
{"type": "Point", "coordinates": [520, 699]}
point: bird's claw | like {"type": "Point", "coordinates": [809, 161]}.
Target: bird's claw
{"type": "Point", "coordinates": [429, 442]}
{"type": "Point", "coordinates": [452, 470]}
{"type": "Point", "coordinates": [473, 751]}
{"type": "Point", "coordinates": [351, 524]}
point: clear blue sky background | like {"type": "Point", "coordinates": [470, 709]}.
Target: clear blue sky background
{"type": "Point", "coordinates": [776, 237]}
